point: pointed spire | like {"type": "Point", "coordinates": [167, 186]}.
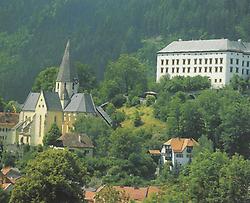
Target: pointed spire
{"type": "Point", "coordinates": [66, 71]}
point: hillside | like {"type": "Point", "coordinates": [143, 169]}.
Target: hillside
{"type": "Point", "coordinates": [33, 33]}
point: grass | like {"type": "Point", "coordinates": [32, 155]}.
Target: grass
{"type": "Point", "coordinates": [147, 116]}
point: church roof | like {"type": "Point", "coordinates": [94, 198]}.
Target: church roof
{"type": "Point", "coordinates": [206, 46]}
{"type": "Point", "coordinates": [67, 72]}
{"type": "Point", "coordinates": [81, 103]}
{"type": "Point", "coordinates": [52, 101]}
{"type": "Point", "coordinates": [31, 101]}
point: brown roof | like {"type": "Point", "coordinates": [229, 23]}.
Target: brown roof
{"type": "Point", "coordinates": [154, 152]}
{"type": "Point", "coordinates": [89, 196]}
{"type": "Point", "coordinates": [179, 144]}
{"type": "Point", "coordinates": [75, 140]}
{"type": "Point", "coordinates": [8, 120]}
{"type": "Point", "coordinates": [137, 194]}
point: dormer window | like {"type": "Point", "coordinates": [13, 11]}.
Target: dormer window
{"type": "Point", "coordinates": [189, 149]}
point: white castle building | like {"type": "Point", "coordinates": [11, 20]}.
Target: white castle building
{"type": "Point", "coordinates": [218, 59]}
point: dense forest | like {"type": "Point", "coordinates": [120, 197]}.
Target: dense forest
{"type": "Point", "coordinates": [33, 33]}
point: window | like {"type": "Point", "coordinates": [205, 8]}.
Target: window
{"type": "Point", "coordinates": [195, 69]}
{"type": "Point", "coordinates": [172, 61]}
{"type": "Point", "coordinates": [199, 69]}
{"type": "Point", "coordinates": [166, 70]}
{"type": "Point", "coordinates": [231, 69]}
{"type": "Point", "coordinates": [215, 80]}
{"type": "Point", "coordinates": [172, 70]}
{"type": "Point", "coordinates": [210, 69]}
{"type": "Point", "coordinates": [247, 71]}
{"type": "Point", "coordinates": [243, 63]}
{"type": "Point", "coordinates": [237, 70]}
{"type": "Point", "coordinates": [188, 70]}
{"type": "Point", "coordinates": [220, 80]}
{"type": "Point", "coordinates": [216, 61]}
{"type": "Point", "coordinates": [242, 71]}
{"type": "Point", "coordinates": [189, 61]}
{"type": "Point", "coordinates": [205, 69]}
{"type": "Point", "coordinates": [237, 61]}
{"type": "Point", "coordinates": [200, 61]}
{"type": "Point", "coordinates": [179, 155]}
{"type": "Point", "coordinates": [183, 61]}
{"type": "Point", "coordinates": [162, 62]}
{"type": "Point", "coordinates": [195, 61]}
{"type": "Point", "coordinates": [216, 69]}
{"type": "Point", "coordinates": [206, 61]}
{"type": "Point", "coordinates": [221, 60]}
{"type": "Point", "coordinates": [189, 149]}
{"type": "Point", "coordinates": [177, 61]}
{"type": "Point", "coordinates": [221, 68]}
{"type": "Point", "coordinates": [162, 70]}
{"type": "Point", "coordinates": [166, 61]}
{"type": "Point", "coordinates": [183, 70]}
{"type": "Point", "coordinates": [177, 70]}
{"type": "Point", "coordinates": [210, 61]}
{"type": "Point", "coordinates": [248, 64]}
{"type": "Point", "coordinates": [231, 61]}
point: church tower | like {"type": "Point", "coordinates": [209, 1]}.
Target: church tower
{"type": "Point", "coordinates": [67, 79]}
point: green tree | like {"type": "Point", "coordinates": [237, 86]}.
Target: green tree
{"type": "Point", "coordinates": [53, 176]}
{"type": "Point", "coordinates": [46, 80]}
{"type": "Point", "coordinates": [111, 195]}
{"type": "Point", "coordinates": [4, 196]}
{"type": "Point", "coordinates": [53, 134]}
{"type": "Point", "coordinates": [2, 104]}
{"type": "Point", "coordinates": [87, 78]}
{"type": "Point", "coordinates": [128, 74]}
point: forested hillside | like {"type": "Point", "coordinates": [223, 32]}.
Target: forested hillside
{"type": "Point", "coordinates": [33, 33]}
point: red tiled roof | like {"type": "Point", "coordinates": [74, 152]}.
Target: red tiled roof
{"type": "Point", "coordinates": [179, 144]}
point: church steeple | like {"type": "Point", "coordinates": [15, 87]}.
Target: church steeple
{"type": "Point", "coordinates": [67, 79]}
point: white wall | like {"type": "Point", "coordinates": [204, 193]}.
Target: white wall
{"type": "Point", "coordinates": [218, 78]}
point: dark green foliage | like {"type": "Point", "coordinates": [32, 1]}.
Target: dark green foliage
{"type": "Point", "coordinates": [87, 78]}
{"type": "Point", "coordinates": [137, 120]}
{"type": "Point", "coordinates": [4, 196]}
{"type": "Point", "coordinates": [13, 107]}
{"type": "Point", "coordinates": [45, 80]}
{"type": "Point", "coordinates": [62, 183]}
{"type": "Point", "coordinates": [118, 100]}
{"type": "Point", "coordinates": [8, 159]}
{"type": "Point", "coordinates": [53, 134]}
{"type": "Point", "coordinates": [2, 104]}
{"type": "Point", "coordinates": [133, 100]}
{"type": "Point", "coordinates": [124, 76]}
{"type": "Point", "coordinates": [150, 100]}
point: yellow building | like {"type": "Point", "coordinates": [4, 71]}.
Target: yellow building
{"type": "Point", "coordinates": [62, 107]}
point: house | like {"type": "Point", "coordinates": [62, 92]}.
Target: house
{"type": "Point", "coordinates": [136, 194]}
{"type": "Point", "coordinates": [177, 151]}
{"type": "Point", "coordinates": [7, 122]}
{"type": "Point", "coordinates": [218, 59]}
{"type": "Point", "coordinates": [8, 177]}
{"type": "Point", "coordinates": [76, 142]}
{"type": "Point", "coordinates": [62, 106]}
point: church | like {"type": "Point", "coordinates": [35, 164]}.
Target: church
{"type": "Point", "coordinates": [63, 106]}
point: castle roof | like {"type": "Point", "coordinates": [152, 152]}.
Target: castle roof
{"type": "Point", "coordinates": [81, 103]}
{"type": "Point", "coordinates": [31, 101]}
{"type": "Point", "coordinates": [52, 101]}
{"type": "Point", "coordinates": [67, 72]}
{"type": "Point", "coordinates": [206, 46]}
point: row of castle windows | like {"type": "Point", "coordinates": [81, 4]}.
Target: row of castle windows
{"type": "Point", "coordinates": [237, 62]}
{"type": "Point", "coordinates": [5, 129]}
{"type": "Point", "coordinates": [188, 61]}
{"type": "Point", "coordinates": [195, 69]}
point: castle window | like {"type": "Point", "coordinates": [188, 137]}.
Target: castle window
{"type": "Point", "coordinates": [183, 70]}
{"type": "Point", "coordinates": [206, 61]}
{"type": "Point", "coordinates": [173, 62]}
{"type": "Point", "coordinates": [248, 64]}
{"type": "Point", "coordinates": [162, 62]}
{"type": "Point", "coordinates": [220, 80]}
{"type": "Point", "coordinates": [177, 61]}
{"type": "Point", "coordinates": [215, 80]}
{"type": "Point", "coordinates": [172, 70]}
{"type": "Point", "coordinates": [200, 61]}
{"type": "Point", "coordinates": [216, 61]}
{"type": "Point", "coordinates": [242, 63]}
{"type": "Point", "coordinates": [231, 69]}
{"type": "Point", "coordinates": [161, 70]}
{"type": "Point", "coordinates": [237, 70]}
{"type": "Point", "coordinates": [247, 71]}
{"type": "Point", "coordinates": [231, 61]}
{"type": "Point", "coordinates": [195, 61]}
{"type": "Point", "coordinates": [188, 70]}
{"type": "Point", "coordinates": [242, 71]}
{"type": "Point", "coordinates": [221, 60]}
{"type": "Point", "coordinates": [210, 60]}
{"type": "Point", "coordinates": [205, 70]}
{"type": "Point", "coordinates": [199, 69]}
{"type": "Point", "coordinates": [183, 61]}
{"type": "Point", "coordinates": [166, 70]}
{"type": "Point", "coordinates": [166, 61]}
{"type": "Point", "coordinates": [189, 61]}
{"type": "Point", "coordinates": [221, 68]}
{"type": "Point", "coordinates": [177, 70]}
{"type": "Point", "coordinates": [216, 69]}
{"type": "Point", "coordinates": [210, 69]}
{"type": "Point", "coordinates": [237, 61]}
